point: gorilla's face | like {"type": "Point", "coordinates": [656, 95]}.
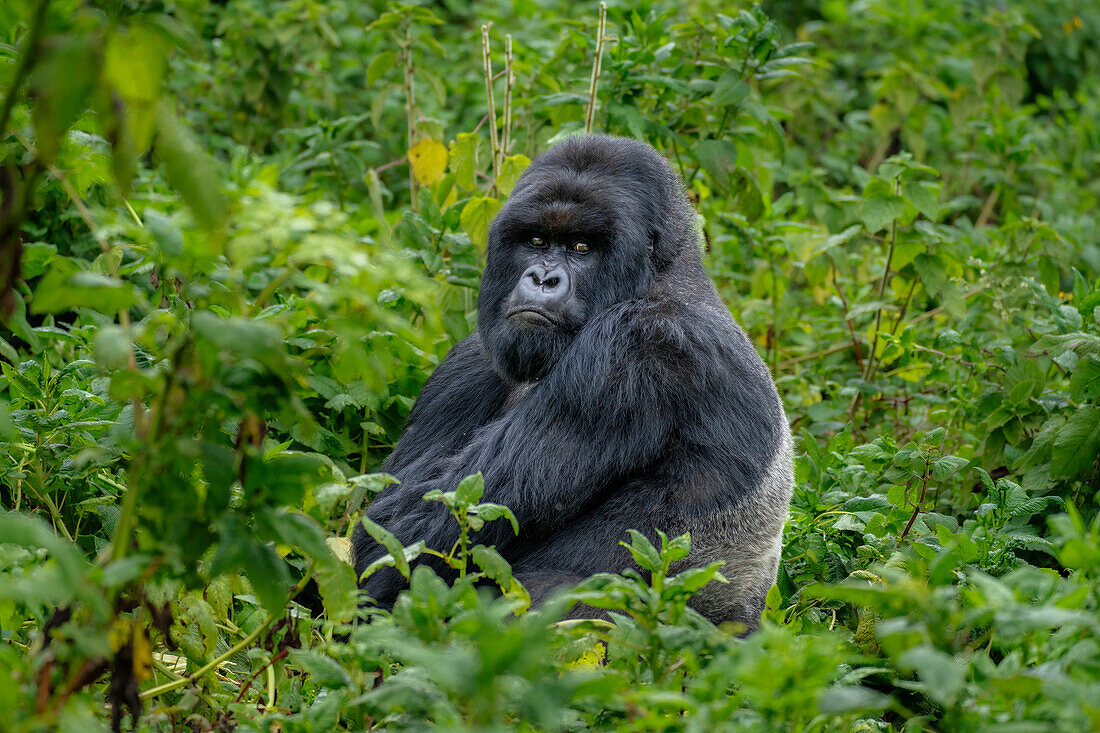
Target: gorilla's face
{"type": "Point", "coordinates": [576, 237]}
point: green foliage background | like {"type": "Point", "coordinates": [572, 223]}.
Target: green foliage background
{"type": "Point", "coordinates": [221, 289]}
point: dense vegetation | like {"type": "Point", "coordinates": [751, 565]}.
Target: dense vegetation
{"type": "Point", "coordinates": [236, 237]}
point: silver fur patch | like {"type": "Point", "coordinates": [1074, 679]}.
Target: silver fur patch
{"type": "Point", "coordinates": [749, 539]}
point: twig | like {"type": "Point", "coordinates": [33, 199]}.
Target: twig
{"type": "Point", "coordinates": [260, 671]}
{"type": "Point", "coordinates": [593, 83]}
{"type": "Point", "coordinates": [916, 507]}
{"type": "Point", "coordinates": [844, 304]}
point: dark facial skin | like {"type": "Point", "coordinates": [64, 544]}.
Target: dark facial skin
{"type": "Point", "coordinates": [546, 294]}
{"type": "Point", "coordinates": [564, 249]}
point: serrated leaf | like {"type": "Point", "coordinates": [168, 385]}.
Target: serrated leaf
{"type": "Point", "coordinates": [489, 511]}
{"type": "Point", "coordinates": [678, 548]}
{"type": "Point", "coordinates": [719, 159]}
{"type": "Point", "coordinates": [946, 467]}
{"type": "Point", "coordinates": [645, 554]}
{"type": "Point", "coordinates": [492, 564]}
{"type": "Point", "coordinates": [393, 546]}
{"type": "Point", "coordinates": [881, 206]}
{"type": "Point", "coordinates": [323, 671]}
{"type": "Point", "coordinates": [511, 168]}
{"type": "Point", "coordinates": [470, 489]}
{"type": "Point", "coordinates": [729, 89]}
{"type": "Point", "coordinates": [476, 216]}
{"type": "Point", "coordinates": [923, 199]}
{"type": "Point", "coordinates": [1077, 443]}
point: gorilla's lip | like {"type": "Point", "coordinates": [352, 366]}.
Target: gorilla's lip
{"type": "Point", "coordinates": [531, 315]}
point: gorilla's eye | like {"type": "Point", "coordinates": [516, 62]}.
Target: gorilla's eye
{"type": "Point", "coordinates": [536, 241]}
{"type": "Point", "coordinates": [580, 248]}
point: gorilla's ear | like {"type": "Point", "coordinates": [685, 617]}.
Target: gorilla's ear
{"type": "Point", "coordinates": [662, 248]}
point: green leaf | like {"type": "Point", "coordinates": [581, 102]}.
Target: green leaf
{"type": "Point", "coordinates": [323, 671]}
{"type": "Point", "coordinates": [923, 198]}
{"type": "Point", "coordinates": [678, 548]}
{"type": "Point", "coordinates": [495, 567]}
{"type": "Point", "coordinates": [404, 557]}
{"type": "Point", "coordinates": [336, 583]}
{"type": "Point", "coordinates": [645, 554]}
{"type": "Point", "coordinates": [719, 159]}
{"type": "Point", "coordinates": [845, 699]}
{"type": "Point", "coordinates": [946, 467]}
{"type": "Point", "coordinates": [291, 528]}
{"type": "Point", "coordinates": [476, 216]}
{"type": "Point", "coordinates": [165, 231]}
{"type": "Point", "coordinates": [111, 346]}
{"type": "Point", "coordinates": [696, 578]}
{"type": "Point", "coordinates": [379, 65]}
{"type": "Point", "coordinates": [64, 287]}
{"type": "Point", "coordinates": [942, 675]}
{"type": "Point", "coordinates": [511, 168]}
{"type": "Point", "coordinates": [729, 89]}
{"type": "Point", "coordinates": [35, 258]}
{"type": "Point", "coordinates": [268, 574]}
{"type": "Point", "coordinates": [1077, 444]}
{"type": "Point", "coordinates": [463, 158]}
{"type": "Point", "coordinates": [489, 511]}
{"type": "Point", "coordinates": [238, 335]}
{"type": "Point", "coordinates": [64, 75]}
{"type": "Point", "coordinates": [881, 206]}
{"type": "Point", "coordinates": [190, 170]}
{"type": "Point", "coordinates": [386, 538]}
{"type": "Point", "coordinates": [470, 490]}
{"type": "Point", "coordinates": [835, 240]}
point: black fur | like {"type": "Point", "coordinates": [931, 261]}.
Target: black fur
{"type": "Point", "coordinates": [644, 406]}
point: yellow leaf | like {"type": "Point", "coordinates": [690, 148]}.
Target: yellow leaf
{"type": "Point", "coordinates": [590, 660]}
{"type": "Point", "coordinates": [143, 655]}
{"type": "Point", "coordinates": [428, 159]}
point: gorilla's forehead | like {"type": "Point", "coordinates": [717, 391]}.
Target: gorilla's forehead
{"type": "Point", "coordinates": [562, 203]}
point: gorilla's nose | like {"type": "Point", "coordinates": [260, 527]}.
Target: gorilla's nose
{"type": "Point", "coordinates": [544, 286]}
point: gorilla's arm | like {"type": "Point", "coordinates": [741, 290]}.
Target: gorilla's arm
{"type": "Point", "coordinates": [462, 394]}
{"type": "Point", "coordinates": [604, 411]}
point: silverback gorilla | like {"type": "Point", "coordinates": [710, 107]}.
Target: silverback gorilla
{"type": "Point", "coordinates": [607, 388]}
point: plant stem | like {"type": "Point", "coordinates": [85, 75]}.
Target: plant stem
{"type": "Point", "coordinates": [184, 681]}
{"type": "Point", "coordinates": [509, 79]}
{"type": "Point", "coordinates": [869, 369]}
{"type": "Point", "coordinates": [26, 61]}
{"type": "Point", "coordinates": [597, 63]}
{"type": "Point", "coordinates": [214, 663]}
{"type": "Point", "coordinates": [410, 106]}
{"type": "Point", "coordinates": [487, 63]}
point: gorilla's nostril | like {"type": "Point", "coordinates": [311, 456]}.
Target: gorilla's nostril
{"type": "Point", "coordinates": [551, 282]}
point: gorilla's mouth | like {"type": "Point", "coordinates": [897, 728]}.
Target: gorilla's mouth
{"type": "Point", "coordinates": [530, 316]}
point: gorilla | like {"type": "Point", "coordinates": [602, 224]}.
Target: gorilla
{"type": "Point", "coordinates": [606, 388]}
